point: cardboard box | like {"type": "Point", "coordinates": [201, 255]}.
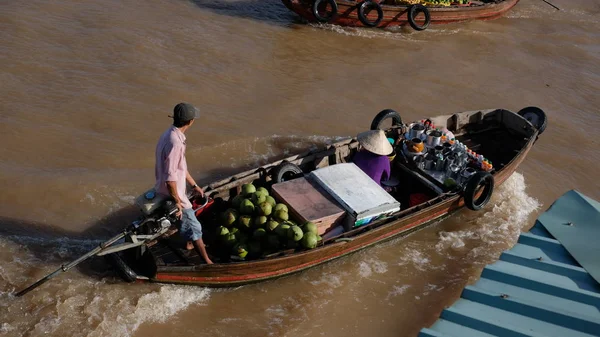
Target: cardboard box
{"type": "Point", "coordinates": [308, 201]}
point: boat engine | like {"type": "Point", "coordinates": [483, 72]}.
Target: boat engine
{"type": "Point", "coordinates": [158, 213]}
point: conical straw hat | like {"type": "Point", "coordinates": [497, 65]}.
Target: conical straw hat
{"type": "Point", "coordinates": [375, 141]}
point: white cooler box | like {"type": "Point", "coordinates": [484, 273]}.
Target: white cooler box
{"type": "Point", "coordinates": [362, 198]}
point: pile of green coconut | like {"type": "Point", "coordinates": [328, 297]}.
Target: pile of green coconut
{"type": "Point", "coordinates": [256, 225]}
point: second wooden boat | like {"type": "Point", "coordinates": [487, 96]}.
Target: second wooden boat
{"type": "Point", "coordinates": [384, 14]}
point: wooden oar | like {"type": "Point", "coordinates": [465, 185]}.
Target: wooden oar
{"type": "Point", "coordinates": [64, 268]}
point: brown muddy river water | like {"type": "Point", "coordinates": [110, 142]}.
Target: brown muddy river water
{"type": "Point", "coordinates": [85, 90]}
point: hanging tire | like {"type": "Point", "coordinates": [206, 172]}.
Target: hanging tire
{"type": "Point", "coordinates": [473, 186]}
{"type": "Point", "coordinates": [318, 16]}
{"type": "Point", "coordinates": [368, 4]}
{"type": "Point", "coordinates": [123, 270]}
{"type": "Point", "coordinates": [383, 115]}
{"type": "Point", "coordinates": [535, 116]}
{"type": "Point", "coordinates": [286, 171]}
{"type": "Point", "coordinates": [413, 10]}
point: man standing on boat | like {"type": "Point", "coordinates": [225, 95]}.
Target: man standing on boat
{"type": "Point", "coordinates": [172, 174]}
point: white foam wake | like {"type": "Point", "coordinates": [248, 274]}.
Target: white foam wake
{"type": "Point", "coordinates": [501, 222]}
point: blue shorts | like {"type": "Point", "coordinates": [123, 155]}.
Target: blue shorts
{"type": "Point", "coordinates": [190, 228]}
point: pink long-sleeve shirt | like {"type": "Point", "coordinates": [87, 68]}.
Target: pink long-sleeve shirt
{"type": "Point", "coordinates": [171, 164]}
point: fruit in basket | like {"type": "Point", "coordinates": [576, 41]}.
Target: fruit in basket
{"type": "Point", "coordinates": [282, 230]}
{"type": "Point", "coordinates": [265, 208]}
{"type": "Point", "coordinates": [258, 198]}
{"type": "Point", "coordinates": [229, 217]}
{"type": "Point", "coordinates": [248, 189]}
{"type": "Point", "coordinates": [272, 225]}
{"type": "Point", "coordinates": [241, 250]}
{"type": "Point", "coordinates": [263, 191]}
{"type": "Point", "coordinates": [247, 207]}
{"type": "Point", "coordinates": [295, 233]}
{"type": "Point", "coordinates": [273, 241]}
{"type": "Point", "coordinates": [271, 201]}
{"type": "Point", "coordinates": [281, 215]}
{"type": "Point", "coordinates": [260, 221]}
{"type": "Point", "coordinates": [254, 248]}
{"type": "Point", "coordinates": [222, 230]}
{"type": "Point", "coordinates": [241, 237]}
{"type": "Point", "coordinates": [310, 227]}
{"type": "Point", "coordinates": [279, 207]}
{"type": "Point", "coordinates": [229, 239]}
{"type": "Point", "coordinates": [237, 201]}
{"type": "Point", "coordinates": [245, 221]}
{"type": "Point", "coordinates": [259, 233]}
{"type": "Point", "coordinates": [309, 240]}
{"type": "Point", "coordinates": [291, 244]}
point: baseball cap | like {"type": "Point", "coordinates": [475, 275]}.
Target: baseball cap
{"type": "Point", "coordinates": [185, 112]}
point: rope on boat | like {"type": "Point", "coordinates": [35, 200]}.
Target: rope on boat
{"type": "Point", "coordinates": [551, 4]}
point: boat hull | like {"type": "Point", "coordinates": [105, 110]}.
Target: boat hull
{"type": "Point", "coordinates": [347, 14]}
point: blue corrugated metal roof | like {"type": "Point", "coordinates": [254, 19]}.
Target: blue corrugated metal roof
{"type": "Point", "coordinates": [535, 289]}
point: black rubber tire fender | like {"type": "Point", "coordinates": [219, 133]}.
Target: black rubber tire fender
{"type": "Point", "coordinates": [363, 17]}
{"type": "Point", "coordinates": [318, 16]}
{"type": "Point", "coordinates": [385, 114]}
{"type": "Point", "coordinates": [286, 171]}
{"type": "Point", "coordinates": [123, 270]}
{"type": "Point", "coordinates": [535, 116]}
{"type": "Point", "coordinates": [480, 178]}
{"type": "Point", "coordinates": [413, 10]}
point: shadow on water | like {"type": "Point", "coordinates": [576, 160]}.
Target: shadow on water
{"type": "Point", "coordinates": [270, 11]}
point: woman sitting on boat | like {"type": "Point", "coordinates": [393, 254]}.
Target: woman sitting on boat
{"type": "Point", "coordinates": [372, 156]}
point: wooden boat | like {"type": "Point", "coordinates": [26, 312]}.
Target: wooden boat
{"type": "Point", "coordinates": [502, 136]}
{"type": "Point", "coordinates": [380, 14]}
{"type": "Point", "coordinates": [152, 253]}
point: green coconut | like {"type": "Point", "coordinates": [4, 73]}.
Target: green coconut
{"type": "Point", "coordinates": [273, 242]}
{"type": "Point", "coordinates": [229, 239]}
{"type": "Point", "coordinates": [234, 230]}
{"type": "Point", "coordinates": [254, 248]}
{"type": "Point", "coordinates": [263, 190]}
{"type": "Point", "coordinates": [240, 250]}
{"type": "Point", "coordinates": [291, 244]}
{"type": "Point", "coordinates": [222, 230]}
{"type": "Point", "coordinates": [237, 201]}
{"type": "Point", "coordinates": [260, 221]}
{"type": "Point", "coordinates": [245, 221]}
{"type": "Point", "coordinates": [295, 233]}
{"type": "Point", "coordinates": [265, 208]}
{"type": "Point", "coordinates": [272, 225]}
{"type": "Point", "coordinates": [309, 240]}
{"type": "Point", "coordinates": [282, 230]}
{"type": "Point", "coordinates": [279, 207]}
{"type": "Point", "coordinates": [248, 189]}
{"type": "Point", "coordinates": [247, 207]}
{"type": "Point", "coordinates": [310, 227]}
{"type": "Point", "coordinates": [281, 215]}
{"type": "Point", "coordinates": [271, 201]}
{"type": "Point", "coordinates": [229, 217]}
{"type": "Point", "coordinates": [258, 198]}
{"type": "Point", "coordinates": [259, 233]}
